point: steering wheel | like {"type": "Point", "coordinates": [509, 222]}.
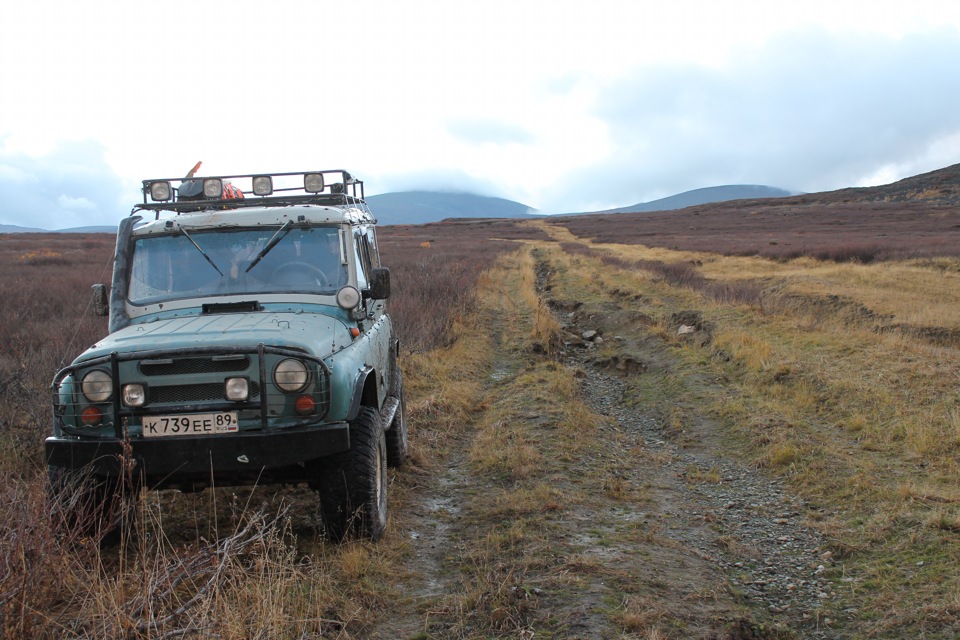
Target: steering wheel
{"type": "Point", "coordinates": [299, 273]}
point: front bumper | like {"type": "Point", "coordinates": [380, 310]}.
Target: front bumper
{"type": "Point", "coordinates": [192, 461]}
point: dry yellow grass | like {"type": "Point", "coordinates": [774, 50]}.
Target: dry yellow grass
{"type": "Point", "coordinates": [864, 422]}
{"type": "Point", "coordinates": [890, 387]}
{"type": "Point", "coordinates": [445, 385]}
{"type": "Point", "coordinates": [505, 449]}
{"type": "Point", "coordinates": [544, 330]}
{"type": "Point", "coordinates": [544, 392]}
{"type": "Point", "coordinates": [918, 292]}
{"type": "Point", "coordinates": [527, 501]}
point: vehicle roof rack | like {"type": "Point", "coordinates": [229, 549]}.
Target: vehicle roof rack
{"type": "Point", "coordinates": [333, 187]}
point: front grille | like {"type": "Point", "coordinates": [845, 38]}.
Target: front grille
{"type": "Point", "coordinates": [181, 366]}
{"type": "Point", "coordinates": [211, 392]}
{"type": "Point", "coordinates": [192, 380]}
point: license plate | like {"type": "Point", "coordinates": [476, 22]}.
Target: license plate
{"type": "Point", "coordinates": [193, 424]}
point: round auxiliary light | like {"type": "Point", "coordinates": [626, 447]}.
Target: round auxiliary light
{"type": "Point", "coordinates": [97, 386]}
{"type": "Point", "coordinates": [348, 297]}
{"type": "Point", "coordinates": [291, 375]}
{"type": "Point", "coordinates": [91, 416]}
{"type": "Point", "coordinates": [305, 405]}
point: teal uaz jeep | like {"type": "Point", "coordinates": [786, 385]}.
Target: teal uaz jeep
{"type": "Point", "coordinates": [249, 344]}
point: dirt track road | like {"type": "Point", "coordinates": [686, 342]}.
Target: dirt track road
{"type": "Point", "coordinates": [591, 514]}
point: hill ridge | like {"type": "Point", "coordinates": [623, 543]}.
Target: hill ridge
{"type": "Point", "coordinates": [937, 187]}
{"type": "Point", "coordinates": [704, 195]}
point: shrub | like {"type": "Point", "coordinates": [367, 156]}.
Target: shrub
{"type": "Point", "coordinates": [434, 270]}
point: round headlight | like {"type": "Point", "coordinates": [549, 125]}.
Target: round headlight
{"type": "Point", "coordinates": [348, 298]}
{"type": "Point", "coordinates": [97, 386]}
{"type": "Point", "coordinates": [291, 375]}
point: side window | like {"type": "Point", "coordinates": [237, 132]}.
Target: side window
{"type": "Point", "coordinates": [372, 247]}
{"type": "Point", "coordinates": [363, 260]}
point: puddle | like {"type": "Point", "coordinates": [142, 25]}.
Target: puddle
{"type": "Point", "coordinates": [499, 374]}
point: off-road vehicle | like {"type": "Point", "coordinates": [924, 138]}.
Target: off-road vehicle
{"type": "Point", "coordinates": [249, 344]}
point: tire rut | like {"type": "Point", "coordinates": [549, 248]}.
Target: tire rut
{"type": "Point", "coordinates": [652, 535]}
{"type": "Point", "coordinates": [430, 531]}
{"type": "Point", "coordinates": [745, 524]}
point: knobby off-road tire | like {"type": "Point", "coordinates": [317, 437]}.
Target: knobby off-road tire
{"type": "Point", "coordinates": [86, 505]}
{"type": "Point", "coordinates": [353, 484]}
{"type": "Point", "coordinates": [397, 433]}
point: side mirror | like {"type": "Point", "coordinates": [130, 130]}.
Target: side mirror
{"type": "Point", "coordinates": [100, 305]}
{"type": "Point", "coordinates": [379, 283]}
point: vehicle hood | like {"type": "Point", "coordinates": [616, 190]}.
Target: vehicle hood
{"type": "Point", "coordinates": [315, 333]}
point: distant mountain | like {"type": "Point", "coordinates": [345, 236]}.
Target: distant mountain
{"type": "Point", "coordinates": [418, 207]}
{"type": "Point", "coordinates": [705, 195]}
{"type": "Point", "coordinates": [940, 187]}
{"type": "Point", "coordinates": [12, 228]}
{"type": "Point", "coordinates": [97, 229]}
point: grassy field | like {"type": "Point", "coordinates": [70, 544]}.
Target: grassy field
{"type": "Point", "coordinates": [840, 378]}
{"type": "Point", "coordinates": [529, 509]}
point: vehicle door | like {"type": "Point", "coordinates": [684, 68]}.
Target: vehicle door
{"type": "Point", "coordinates": [376, 324]}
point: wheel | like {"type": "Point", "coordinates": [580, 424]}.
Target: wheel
{"type": "Point", "coordinates": [98, 507]}
{"type": "Point", "coordinates": [294, 273]}
{"type": "Point", "coordinates": [353, 484]}
{"type": "Point", "coordinates": [397, 433]}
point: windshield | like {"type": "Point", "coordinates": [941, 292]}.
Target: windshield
{"type": "Point", "coordinates": [225, 262]}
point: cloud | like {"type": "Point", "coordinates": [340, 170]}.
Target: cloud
{"type": "Point", "coordinates": [489, 132]}
{"type": "Point", "coordinates": [437, 179]}
{"type": "Point", "coordinates": [593, 128]}
{"type": "Point", "coordinates": [810, 111]}
{"type": "Point", "coordinates": [71, 186]}
{"type": "Point", "coordinates": [9, 173]}
{"type": "Point", "coordinates": [76, 204]}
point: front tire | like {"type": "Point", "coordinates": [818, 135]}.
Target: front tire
{"type": "Point", "coordinates": [353, 484]}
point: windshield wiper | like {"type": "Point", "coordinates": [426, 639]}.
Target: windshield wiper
{"type": "Point", "coordinates": [202, 252]}
{"type": "Point", "coordinates": [271, 243]}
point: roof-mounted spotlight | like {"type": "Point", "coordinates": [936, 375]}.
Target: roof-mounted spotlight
{"type": "Point", "coordinates": [313, 182]}
{"type": "Point", "coordinates": [160, 191]}
{"type": "Point", "coordinates": [262, 185]}
{"type": "Point", "coordinates": [212, 188]}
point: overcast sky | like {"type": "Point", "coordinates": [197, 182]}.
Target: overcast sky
{"type": "Point", "coordinates": [563, 106]}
